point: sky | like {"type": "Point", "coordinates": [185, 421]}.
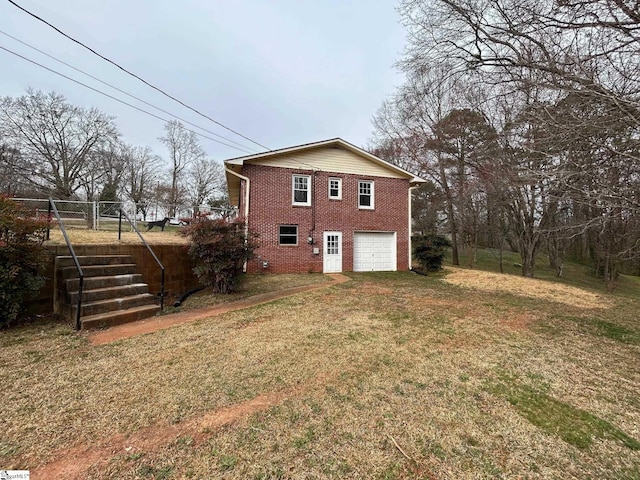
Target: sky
{"type": "Point", "coordinates": [281, 72]}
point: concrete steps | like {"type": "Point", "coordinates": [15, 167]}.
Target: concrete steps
{"type": "Point", "coordinates": [94, 260]}
{"type": "Point", "coordinates": [113, 293]}
{"type": "Point", "coordinates": [96, 294]}
{"type": "Point", "coordinates": [92, 283]}
{"type": "Point", "coordinates": [98, 270]}
{"type": "Point", "coordinates": [118, 317]}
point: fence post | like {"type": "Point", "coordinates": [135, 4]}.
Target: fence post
{"type": "Point", "coordinates": [49, 219]}
{"type": "Point", "coordinates": [95, 215]}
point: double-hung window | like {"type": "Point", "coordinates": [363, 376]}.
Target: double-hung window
{"type": "Point", "coordinates": [301, 190]}
{"type": "Point", "coordinates": [366, 195]}
{"type": "Point", "coordinates": [335, 188]}
{"type": "Point", "coordinates": [288, 235]}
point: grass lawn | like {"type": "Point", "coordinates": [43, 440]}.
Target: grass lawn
{"type": "Point", "coordinates": [109, 235]}
{"type": "Point", "coordinates": [251, 285]}
{"type": "Point", "coordinates": [389, 376]}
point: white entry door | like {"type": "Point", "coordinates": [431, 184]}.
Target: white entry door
{"type": "Point", "coordinates": [332, 252]}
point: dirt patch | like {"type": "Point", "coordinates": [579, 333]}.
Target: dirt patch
{"type": "Point", "coordinates": [73, 464]}
{"type": "Point", "coordinates": [375, 289]}
{"type": "Point", "coordinates": [527, 287]}
{"type": "Point", "coordinates": [519, 322]}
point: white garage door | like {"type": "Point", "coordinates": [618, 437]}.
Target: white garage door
{"type": "Point", "coordinates": [374, 251]}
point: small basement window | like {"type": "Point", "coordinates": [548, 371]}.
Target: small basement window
{"type": "Point", "coordinates": [288, 235]}
{"type": "Point", "coordinates": [335, 188]}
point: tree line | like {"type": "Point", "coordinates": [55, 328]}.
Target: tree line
{"type": "Point", "coordinates": [49, 147]}
{"type": "Point", "coordinates": [524, 115]}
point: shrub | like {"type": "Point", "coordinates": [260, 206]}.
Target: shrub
{"type": "Point", "coordinates": [429, 250]}
{"type": "Point", "coordinates": [219, 250]}
{"type": "Point", "coordinates": [21, 258]}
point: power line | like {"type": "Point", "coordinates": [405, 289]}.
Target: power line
{"type": "Point", "coordinates": [117, 99]}
{"type": "Point", "coordinates": [133, 74]}
{"type": "Point", "coordinates": [120, 90]}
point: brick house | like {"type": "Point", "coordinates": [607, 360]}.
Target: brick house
{"type": "Point", "coordinates": [326, 207]}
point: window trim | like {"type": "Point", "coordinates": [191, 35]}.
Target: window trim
{"type": "Point", "coordinates": [372, 206]}
{"type": "Point", "coordinates": [293, 190]}
{"type": "Point", "coordinates": [336, 197]}
{"type": "Point", "coordinates": [288, 235]}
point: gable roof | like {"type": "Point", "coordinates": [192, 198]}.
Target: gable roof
{"type": "Point", "coordinates": [236, 164]}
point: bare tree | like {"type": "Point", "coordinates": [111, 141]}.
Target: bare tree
{"type": "Point", "coordinates": [10, 182]}
{"type": "Point", "coordinates": [184, 151]}
{"type": "Point", "coordinates": [205, 179]}
{"type": "Point", "coordinates": [583, 50]}
{"type": "Point", "coordinates": [56, 140]}
{"type": "Point", "coordinates": [104, 173]}
{"type": "Point", "coordinates": [141, 176]}
{"type": "Point", "coordinates": [600, 178]}
{"type": "Point", "coordinates": [114, 161]}
{"type": "Point", "coordinates": [571, 44]}
{"type": "Point", "coordinates": [565, 100]}
{"type": "Point", "coordinates": [407, 123]}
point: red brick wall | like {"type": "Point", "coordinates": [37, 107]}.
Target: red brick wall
{"type": "Point", "coordinates": [270, 207]}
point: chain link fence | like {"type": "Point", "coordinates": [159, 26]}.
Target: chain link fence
{"type": "Point", "coordinates": [78, 214]}
{"type": "Point", "coordinates": [105, 215]}
{"type": "Point", "coordinates": [74, 214]}
{"type": "Point", "coordinates": [108, 215]}
{"type": "Point", "coordinates": [184, 214]}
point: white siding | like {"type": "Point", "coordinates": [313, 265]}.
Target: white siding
{"type": "Point", "coordinates": [329, 159]}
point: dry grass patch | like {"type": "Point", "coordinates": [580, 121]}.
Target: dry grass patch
{"type": "Point", "coordinates": [388, 376]}
{"type": "Point", "coordinates": [80, 236]}
{"type": "Point", "coordinates": [529, 287]}
{"type": "Point", "coordinates": [253, 284]}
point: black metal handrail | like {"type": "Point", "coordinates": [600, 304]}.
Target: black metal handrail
{"type": "Point", "coordinates": [54, 209]}
{"type": "Point", "coordinates": [123, 214]}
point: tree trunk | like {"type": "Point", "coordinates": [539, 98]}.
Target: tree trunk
{"type": "Point", "coordinates": [606, 272]}
{"type": "Point", "coordinates": [528, 250]}
{"type": "Point", "coordinates": [555, 250]}
{"type": "Point", "coordinates": [455, 258]}
{"type": "Point", "coordinates": [174, 193]}
{"type": "Point", "coordinates": [528, 263]}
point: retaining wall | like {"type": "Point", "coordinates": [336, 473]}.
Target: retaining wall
{"type": "Point", "coordinates": [179, 276]}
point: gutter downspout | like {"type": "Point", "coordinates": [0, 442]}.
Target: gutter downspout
{"type": "Point", "coordinates": [246, 204]}
{"type": "Point", "coordinates": [313, 204]}
{"type": "Point", "coordinates": [411, 225]}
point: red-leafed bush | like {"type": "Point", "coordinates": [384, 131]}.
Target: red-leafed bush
{"type": "Point", "coordinates": [21, 258]}
{"type": "Point", "coordinates": [219, 250]}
